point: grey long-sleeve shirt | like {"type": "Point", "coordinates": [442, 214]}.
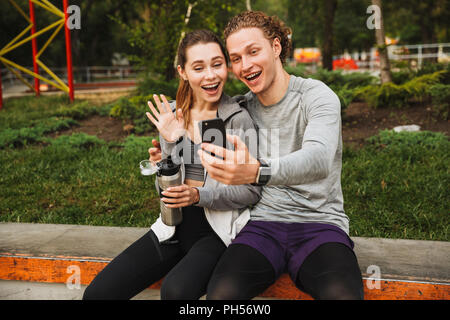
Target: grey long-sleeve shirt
{"type": "Point", "coordinates": [300, 137]}
{"type": "Point", "coordinates": [215, 195]}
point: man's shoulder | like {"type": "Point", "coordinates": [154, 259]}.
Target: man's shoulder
{"type": "Point", "coordinates": [313, 90]}
{"type": "Point", "coordinates": [306, 86]}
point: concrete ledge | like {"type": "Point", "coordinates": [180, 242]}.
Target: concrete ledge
{"type": "Point", "coordinates": [409, 269]}
{"type": "Point", "coordinates": [26, 290]}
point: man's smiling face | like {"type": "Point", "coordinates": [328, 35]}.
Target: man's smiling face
{"type": "Point", "coordinates": [253, 58]}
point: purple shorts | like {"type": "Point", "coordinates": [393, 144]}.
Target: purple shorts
{"type": "Point", "coordinates": [286, 245]}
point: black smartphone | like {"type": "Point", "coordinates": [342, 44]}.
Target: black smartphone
{"type": "Point", "coordinates": [213, 131]}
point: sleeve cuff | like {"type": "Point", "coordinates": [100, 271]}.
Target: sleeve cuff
{"type": "Point", "coordinates": [274, 168]}
{"type": "Point", "coordinates": [205, 196]}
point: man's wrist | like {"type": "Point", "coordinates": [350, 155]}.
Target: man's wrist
{"type": "Point", "coordinates": [263, 173]}
{"type": "Point", "coordinates": [255, 175]}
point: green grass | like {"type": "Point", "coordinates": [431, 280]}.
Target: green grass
{"type": "Point", "coordinates": [78, 180]}
{"type": "Point", "coordinates": [397, 186]}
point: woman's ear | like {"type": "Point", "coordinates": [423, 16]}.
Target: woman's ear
{"type": "Point", "coordinates": [181, 73]}
{"type": "Point", "coordinates": [276, 46]}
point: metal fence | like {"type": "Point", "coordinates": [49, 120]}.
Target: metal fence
{"type": "Point", "coordinates": [81, 74]}
{"type": "Point", "coordinates": [414, 54]}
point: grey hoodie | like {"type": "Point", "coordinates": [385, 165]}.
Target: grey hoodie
{"type": "Point", "coordinates": [226, 206]}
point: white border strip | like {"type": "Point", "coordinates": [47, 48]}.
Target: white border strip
{"type": "Point", "coordinates": [409, 281]}
{"type": "Point", "coordinates": [55, 258]}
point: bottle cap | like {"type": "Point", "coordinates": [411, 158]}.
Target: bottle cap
{"type": "Point", "coordinates": [167, 167]}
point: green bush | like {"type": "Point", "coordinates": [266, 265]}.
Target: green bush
{"type": "Point", "coordinates": [402, 76]}
{"type": "Point", "coordinates": [391, 94]}
{"type": "Point", "coordinates": [338, 79]}
{"type": "Point", "coordinates": [428, 68]}
{"type": "Point", "coordinates": [298, 71]}
{"type": "Point", "coordinates": [440, 97]}
{"type": "Point", "coordinates": [151, 85]}
{"type": "Point", "coordinates": [234, 87]}
{"type": "Point", "coordinates": [130, 108]}
{"type": "Point", "coordinates": [78, 111]}
{"type": "Point", "coordinates": [133, 109]}
{"type": "Point", "coordinates": [409, 142]}
{"type": "Point", "coordinates": [406, 74]}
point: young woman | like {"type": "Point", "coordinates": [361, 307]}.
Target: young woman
{"type": "Point", "coordinates": [213, 214]}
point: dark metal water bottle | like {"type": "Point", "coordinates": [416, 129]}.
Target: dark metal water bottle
{"type": "Point", "coordinates": [169, 175]}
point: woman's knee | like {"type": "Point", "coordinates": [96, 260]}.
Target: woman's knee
{"type": "Point", "coordinates": [174, 288]}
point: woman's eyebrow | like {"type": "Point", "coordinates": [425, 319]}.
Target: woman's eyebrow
{"type": "Point", "coordinates": [197, 61]}
{"type": "Point", "coordinates": [202, 61]}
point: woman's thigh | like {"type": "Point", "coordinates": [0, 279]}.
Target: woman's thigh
{"type": "Point", "coordinates": [189, 278]}
{"type": "Point", "coordinates": [137, 267]}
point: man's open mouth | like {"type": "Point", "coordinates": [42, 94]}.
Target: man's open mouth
{"type": "Point", "coordinates": [253, 76]}
{"type": "Point", "coordinates": [211, 87]}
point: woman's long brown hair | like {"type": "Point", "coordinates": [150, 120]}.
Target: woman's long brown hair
{"type": "Point", "coordinates": [185, 95]}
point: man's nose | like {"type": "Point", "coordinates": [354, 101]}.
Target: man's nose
{"type": "Point", "coordinates": [246, 64]}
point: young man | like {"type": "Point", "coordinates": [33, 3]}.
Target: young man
{"type": "Point", "coordinates": [299, 225]}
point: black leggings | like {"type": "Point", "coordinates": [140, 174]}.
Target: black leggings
{"type": "Point", "coordinates": [330, 272]}
{"type": "Point", "coordinates": [187, 265]}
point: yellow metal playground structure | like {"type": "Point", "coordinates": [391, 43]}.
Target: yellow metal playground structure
{"type": "Point", "coordinates": [18, 41]}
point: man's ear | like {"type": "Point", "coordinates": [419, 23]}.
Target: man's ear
{"type": "Point", "coordinates": [181, 73]}
{"type": "Point", "coordinates": [276, 46]}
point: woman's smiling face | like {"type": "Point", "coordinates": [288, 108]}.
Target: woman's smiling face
{"type": "Point", "coordinates": [206, 71]}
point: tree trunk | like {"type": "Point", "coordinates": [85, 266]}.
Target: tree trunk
{"type": "Point", "coordinates": [327, 45]}
{"type": "Point", "coordinates": [385, 69]}
{"type": "Point", "coordinates": [186, 21]}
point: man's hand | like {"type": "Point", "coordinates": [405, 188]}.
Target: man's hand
{"type": "Point", "coordinates": [155, 152]}
{"type": "Point", "coordinates": [180, 196]}
{"type": "Point", "coordinates": [237, 167]}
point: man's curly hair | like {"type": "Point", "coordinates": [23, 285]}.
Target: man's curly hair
{"type": "Point", "coordinates": [272, 27]}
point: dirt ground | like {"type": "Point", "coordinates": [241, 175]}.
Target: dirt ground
{"type": "Point", "coordinates": [106, 128]}
{"type": "Point", "coordinates": [359, 123]}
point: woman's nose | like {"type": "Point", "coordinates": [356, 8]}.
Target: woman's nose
{"type": "Point", "coordinates": [210, 74]}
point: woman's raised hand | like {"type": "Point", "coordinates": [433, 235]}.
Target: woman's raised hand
{"type": "Point", "coordinates": [170, 127]}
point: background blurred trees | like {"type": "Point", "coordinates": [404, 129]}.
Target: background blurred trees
{"type": "Point", "coordinates": [149, 30]}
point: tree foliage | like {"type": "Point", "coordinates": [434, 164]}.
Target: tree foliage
{"type": "Point", "coordinates": [149, 30]}
{"type": "Point", "coordinates": [158, 30]}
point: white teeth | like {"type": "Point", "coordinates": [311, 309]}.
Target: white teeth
{"type": "Point", "coordinates": [211, 86]}
{"type": "Point", "coordinates": [253, 75]}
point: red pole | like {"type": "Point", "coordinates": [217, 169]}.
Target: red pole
{"type": "Point", "coordinates": [34, 47]}
{"type": "Point", "coordinates": [68, 53]}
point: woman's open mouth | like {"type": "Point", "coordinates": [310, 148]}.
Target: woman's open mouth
{"type": "Point", "coordinates": [211, 88]}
